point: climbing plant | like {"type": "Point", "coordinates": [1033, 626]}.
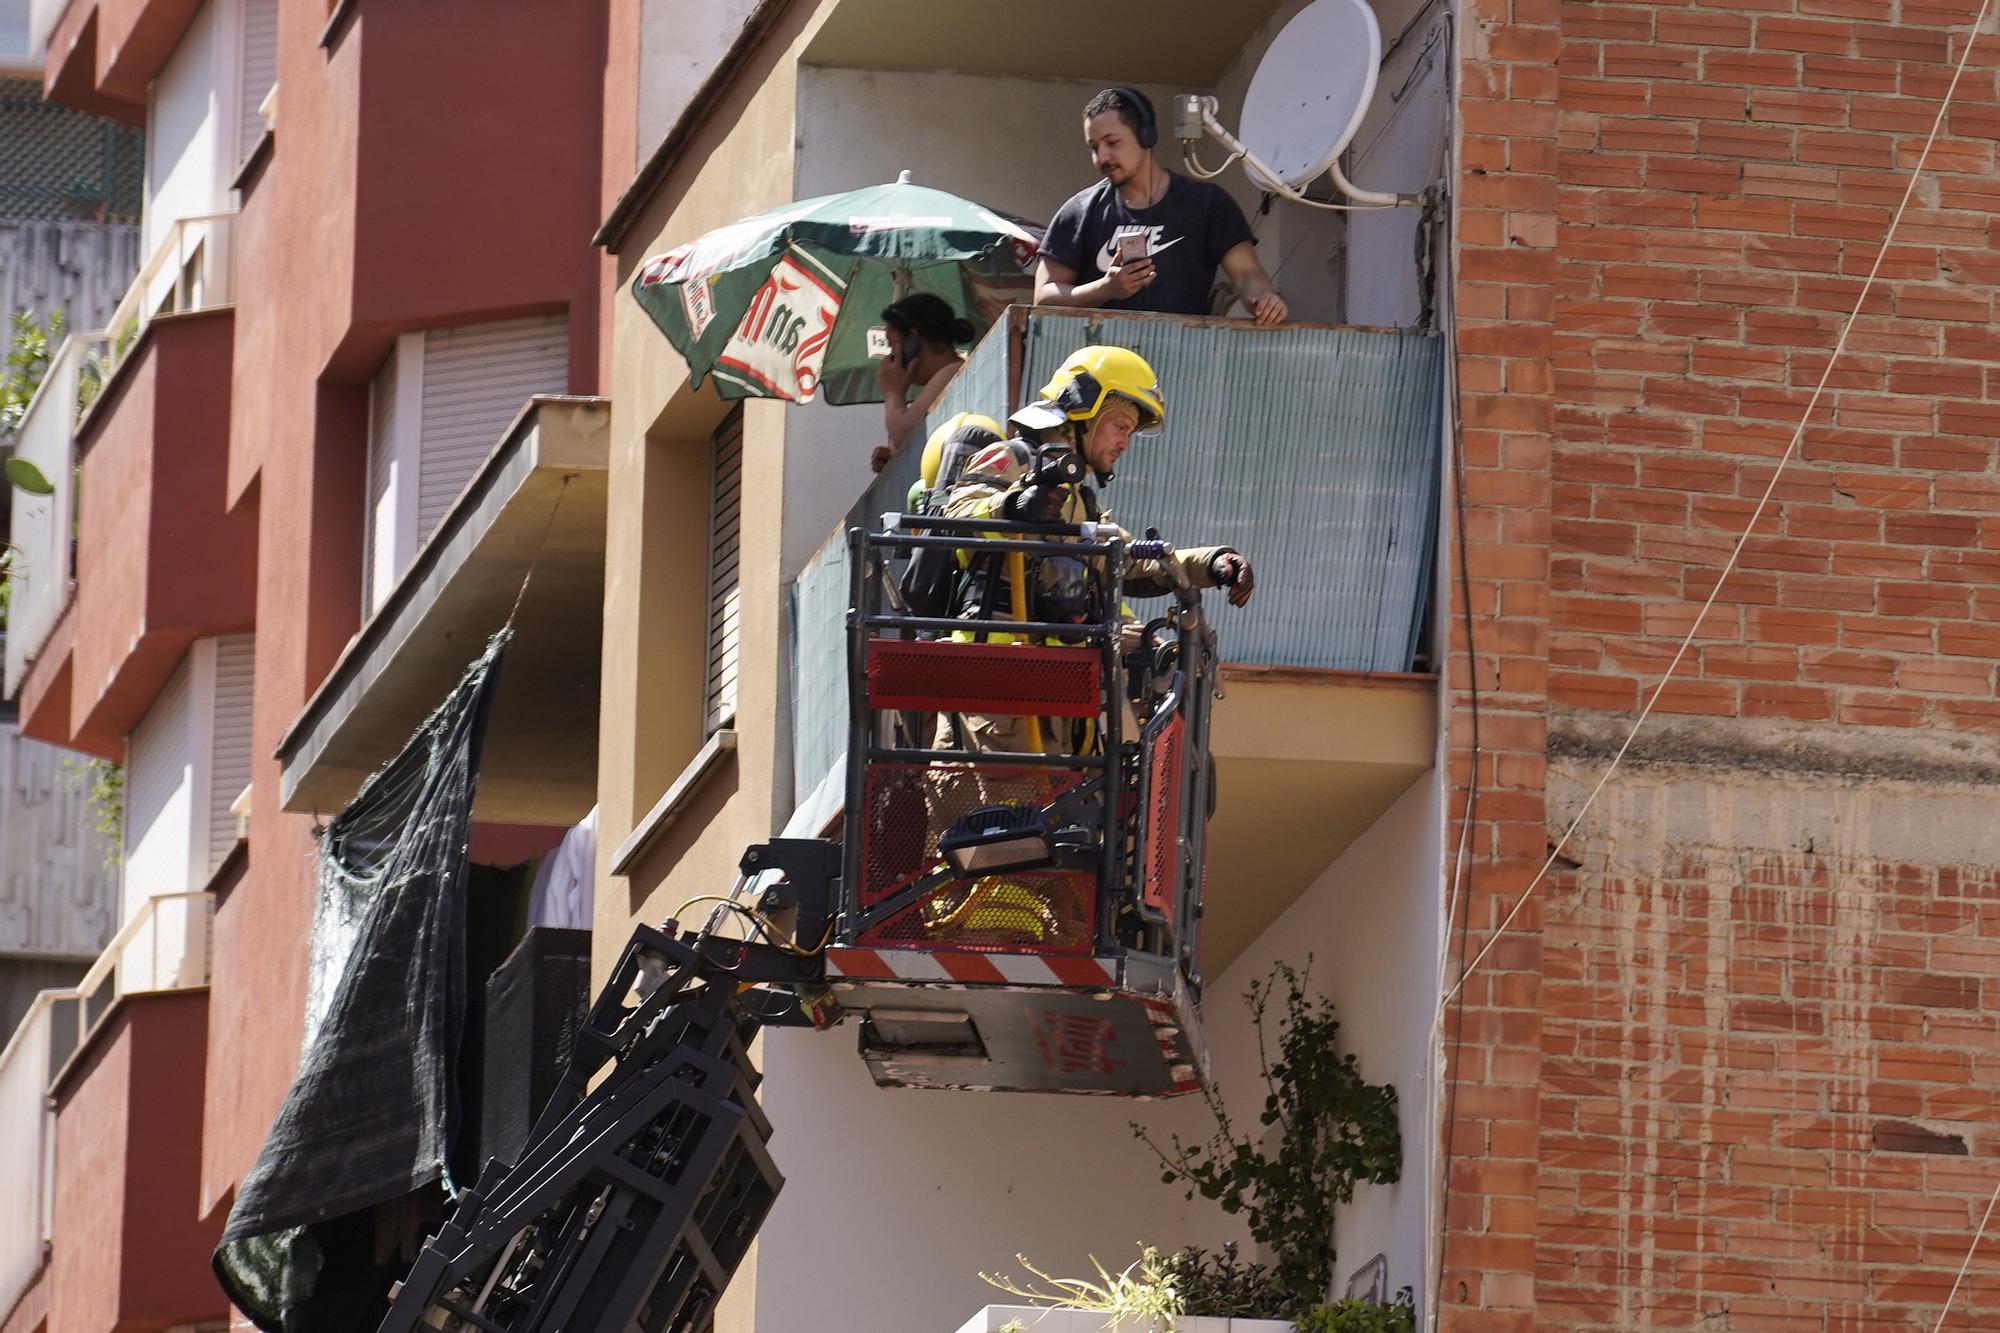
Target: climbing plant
{"type": "Point", "coordinates": [1323, 1129]}
{"type": "Point", "coordinates": [30, 344]}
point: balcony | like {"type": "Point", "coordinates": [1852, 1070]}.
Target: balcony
{"type": "Point", "coordinates": [27, 1126]}
{"type": "Point", "coordinates": [100, 1104]}
{"type": "Point", "coordinates": [101, 55]}
{"type": "Point", "coordinates": [537, 503]}
{"type": "Point", "coordinates": [159, 559]}
{"type": "Point", "coordinates": [42, 568]}
{"type": "Point", "coordinates": [1315, 451]}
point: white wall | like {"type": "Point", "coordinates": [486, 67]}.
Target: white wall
{"type": "Point", "coordinates": [160, 795]}
{"type": "Point", "coordinates": [895, 1200]}
{"type": "Point", "coordinates": [191, 124]}
{"type": "Point", "coordinates": [680, 42]}
{"type": "Point", "coordinates": [1371, 922]}
{"type": "Point", "coordinates": [1354, 268]}
{"type": "Point", "coordinates": [186, 761]}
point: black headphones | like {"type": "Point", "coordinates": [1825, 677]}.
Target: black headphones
{"type": "Point", "coordinates": [1147, 132]}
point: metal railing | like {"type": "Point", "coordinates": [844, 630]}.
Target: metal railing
{"type": "Point", "coordinates": [40, 564]}
{"type": "Point", "coordinates": [193, 268]}
{"type": "Point", "coordinates": [164, 947]}
{"type": "Point", "coordinates": [1313, 449]}
{"type": "Point", "coordinates": [43, 15]}
{"type": "Point", "coordinates": [28, 1128]}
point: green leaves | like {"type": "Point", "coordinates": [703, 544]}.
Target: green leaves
{"type": "Point", "coordinates": [26, 476]}
{"type": "Point", "coordinates": [29, 347]}
{"type": "Point", "coordinates": [1334, 1130]}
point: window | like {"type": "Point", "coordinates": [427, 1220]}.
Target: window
{"type": "Point", "coordinates": [258, 74]}
{"type": "Point", "coordinates": [437, 408]}
{"type": "Point", "coordinates": [725, 600]}
{"type": "Point", "coordinates": [186, 761]}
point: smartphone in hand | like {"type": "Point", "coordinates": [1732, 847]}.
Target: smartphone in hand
{"type": "Point", "coordinates": [1132, 247]}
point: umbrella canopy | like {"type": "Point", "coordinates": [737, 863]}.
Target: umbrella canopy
{"type": "Point", "coordinates": [778, 305]}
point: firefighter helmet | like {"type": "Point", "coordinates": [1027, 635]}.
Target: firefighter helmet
{"type": "Point", "coordinates": [1094, 375]}
{"type": "Point", "coordinates": [969, 431]}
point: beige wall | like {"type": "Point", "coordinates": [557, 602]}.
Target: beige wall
{"type": "Point", "coordinates": [655, 548]}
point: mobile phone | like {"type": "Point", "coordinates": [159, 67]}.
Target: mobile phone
{"type": "Point", "coordinates": [1132, 246]}
{"type": "Point", "coordinates": [878, 342]}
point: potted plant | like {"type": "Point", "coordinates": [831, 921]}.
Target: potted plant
{"type": "Point", "coordinates": [1322, 1130]}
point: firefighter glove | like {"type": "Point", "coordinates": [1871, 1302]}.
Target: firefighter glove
{"type": "Point", "coordinates": [1233, 572]}
{"type": "Point", "coordinates": [1033, 503]}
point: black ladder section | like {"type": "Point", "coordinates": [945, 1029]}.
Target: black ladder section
{"type": "Point", "coordinates": [634, 1203]}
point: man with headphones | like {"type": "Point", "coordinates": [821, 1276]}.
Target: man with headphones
{"type": "Point", "coordinates": [1143, 237]}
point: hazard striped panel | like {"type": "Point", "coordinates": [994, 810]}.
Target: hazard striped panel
{"type": "Point", "coordinates": [971, 968]}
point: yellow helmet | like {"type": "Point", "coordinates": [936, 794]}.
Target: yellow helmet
{"type": "Point", "coordinates": [1094, 375]}
{"type": "Point", "coordinates": [960, 430]}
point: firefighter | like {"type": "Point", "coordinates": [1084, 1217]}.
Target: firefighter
{"type": "Point", "coordinates": [1091, 410]}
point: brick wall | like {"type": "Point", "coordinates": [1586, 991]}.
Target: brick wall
{"type": "Point", "coordinates": [1504, 307]}
{"type": "Point", "coordinates": [1726, 175]}
{"type": "Point", "coordinates": [1727, 1075]}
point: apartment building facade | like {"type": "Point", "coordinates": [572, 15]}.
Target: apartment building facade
{"type": "Point", "coordinates": [353, 296]}
{"type": "Point", "coordinates": [1729, 1067]}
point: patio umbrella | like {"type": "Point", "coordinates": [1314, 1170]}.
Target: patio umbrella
{"type": "Point", "coordinates": [779, 305]}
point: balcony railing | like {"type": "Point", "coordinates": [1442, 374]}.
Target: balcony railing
{"type": "Point", "coordinates": [40, 566]}
{"type": "Point", "coordinates": [43, 15]}
{"type": "Point", "coordinates": [193, 268]}
{"type": "Point", "coordinates": [27, 1127]}
{"type": "Point", "coordinates": [1313, 449]}
{"type": "Point", "coordinates": [164, 947]}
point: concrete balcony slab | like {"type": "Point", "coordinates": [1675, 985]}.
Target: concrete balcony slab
{"type": "Point", "coordinates": [537, 503]}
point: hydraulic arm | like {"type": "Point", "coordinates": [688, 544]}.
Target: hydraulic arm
{"type": "Point", "coordinates": [635, 1200]}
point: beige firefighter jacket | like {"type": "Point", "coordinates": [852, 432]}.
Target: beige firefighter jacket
{"type": "Point", "coordinates": [1001, 467]}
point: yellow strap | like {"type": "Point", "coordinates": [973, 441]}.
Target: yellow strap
{"type": "Point", "coordinates": [1017, 592]}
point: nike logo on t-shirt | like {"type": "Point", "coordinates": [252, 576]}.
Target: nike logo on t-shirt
{"type": "Point", "coordinates": [1108, 256]}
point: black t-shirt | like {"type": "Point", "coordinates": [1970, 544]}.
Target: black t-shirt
{"type": "Point", "coordinates": [1193, 226]}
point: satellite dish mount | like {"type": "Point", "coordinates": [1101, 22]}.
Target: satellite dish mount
{"type": "Point", "coordinates": [1305, 102]}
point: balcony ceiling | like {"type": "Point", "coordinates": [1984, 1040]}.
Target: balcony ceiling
{"type": "Point", "coordinates": [540, 760]}
{"type": "Point", "coordinates": [1305, 762]}
{"type": "Point", "coordinates": [1183, 42]}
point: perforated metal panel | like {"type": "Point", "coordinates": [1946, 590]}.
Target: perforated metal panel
{"type": "Point", "coordinates": [1313, 450]}
{"type": "Point", "coordinates": [1015, 679]}
{"type": "Point", "coordinates": [1163, 826]}
{"type": "Point", "coordinates": [909, 805]}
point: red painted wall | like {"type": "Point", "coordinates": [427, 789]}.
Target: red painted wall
{"type": "Point", "coordinates": [160, 561]}
{"type": "Point", "coordinates": [130, 1250]}
{"type": "Point", "coordinates": [385, 207]}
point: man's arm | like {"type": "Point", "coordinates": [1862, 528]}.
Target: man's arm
{"type": "Point", "coordinates": [1056, 284]}
{"type": "Point", "coordinates": [1204, 567]}
{"type": "Point", "coordinates": [1246, 274]}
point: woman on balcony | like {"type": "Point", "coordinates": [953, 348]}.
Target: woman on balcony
{"type": "Point", "coordinates": [924, 338]}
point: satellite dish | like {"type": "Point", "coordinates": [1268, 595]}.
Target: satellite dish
{"type": "Point", "coordinates": [1311, 90]}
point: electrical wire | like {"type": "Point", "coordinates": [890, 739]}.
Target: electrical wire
{"type": "Point", "coordinates": [1191, 159]}
{"type": "Point", "coordinates": [1978, 1236]}
{"type": "Point", "coordinates": [771, 931]}
{"type": "Point", "coordinates": [1756, 515]}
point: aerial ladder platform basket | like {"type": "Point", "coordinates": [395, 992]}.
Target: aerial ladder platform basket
{"type": "Point", "coordinates": [1020, 920]}
{"type": "Point", "coordinates": [1069, 964]}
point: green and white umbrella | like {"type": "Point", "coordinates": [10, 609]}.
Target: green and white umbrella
{"type": "Point", "coordinates": [779, 305]}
